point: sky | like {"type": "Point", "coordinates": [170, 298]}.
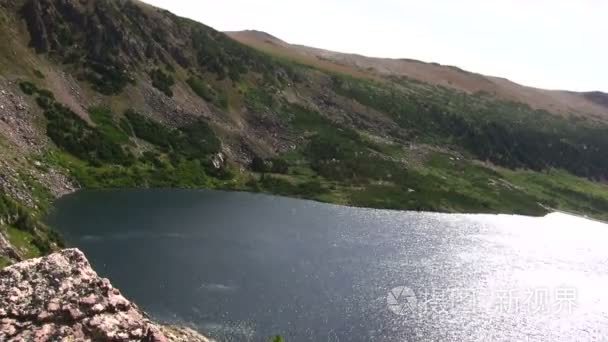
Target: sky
{"type": "Point", "coordinates": [552, 44]}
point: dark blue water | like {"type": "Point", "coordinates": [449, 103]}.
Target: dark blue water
{"type": "Point", "coordinates": [243, 267]}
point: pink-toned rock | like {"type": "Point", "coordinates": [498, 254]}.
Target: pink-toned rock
{"type": "Point", "coordinates": [98, 308]}
{"type": "Point", "coordinates": [44, 333]}
{"type": "Point", "coordinates": [137, 333]}
{"type": "Point", "coordinates": [44, 316]}
{"type": "Point", "coordinates": [61, 298]}
{"type": "Point", "coordinates": [74, 313]}
{"type": "Point", "coordinates": [155, 335]}
{"type": "Point", "coordinates": [90, 300]}
{"type": "Point", "coordinates": [53, 306]}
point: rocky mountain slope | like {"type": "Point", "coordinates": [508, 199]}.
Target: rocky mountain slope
{"type": "Point", "coordinates": [119, 94]}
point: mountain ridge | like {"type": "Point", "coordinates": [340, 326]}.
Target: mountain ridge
{"type": "Point", "coordinates": [444, 75]}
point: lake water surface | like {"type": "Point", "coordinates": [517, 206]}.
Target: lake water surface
{"type": "Point", "coordinates": [243, 267]}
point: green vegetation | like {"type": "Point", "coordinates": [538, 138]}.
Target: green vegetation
{"type": "Point", "coordinates": [374, 180]}
{"type": "Point", "coordinates": [306, 122]}
{"type": "Point", "coordinates": [106, 42]}
{"type": "Point", "coordinates": [104, 156]}
{"type": "Point", "coordinates": [259, 165]}
{"type": "Point", "coordinates": [507, 134]}
{"type": "Point", "coordinates": [16, 214]}
{"type": "Point", "coordinates": [287, 187]}
{"type": "Point", "coordinates": [444, 183]}
{"type": "Point", "coordinates": [107, 125]}
{"type": "Point", "coordinates": [208, 93]}
{"type": "Point", "coordinates": [563, 191]}
{"type": "Point", "coordinates": [162, 81]}
{"type": "Point", "coordinates": [25, 230]}
{"type": "Point", "coordinates": [39, 74]}
{"type": "Point", "coordinates": [72, 133]}
{"type": "Point", "coordinates": [142, 174]}
{"type": "Point", "coordinates": [197, 140]}
{"type": "Point", "coordinates": [93, 53]}
{"type": "Point", "coordinates": [24, 242]}
{"type": "Point", "coordinates": [224, 57]}
{"type": "Point", "coordinates": [259, 100]}
{"type": "Point", "coordinates": [339, 165]}
{"type": "Point", "coordinates": [107, 76]}
{"type": "Point", "coordinates": [4, 262]}
{"type": "Point", "coordinates": [194, 141]}
{"type": "Point", "coordinates": [279, 165]}
{"type": "Point", "coordinates": [28, 88]}
{"type": "Point", "coordinates": [147, 129]}
{"type": "Point", "coordinates": [273, 165]}
{"type": "Point", "coordinates": [201, 89]}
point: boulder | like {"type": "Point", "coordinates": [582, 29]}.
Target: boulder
{"type": "Point", "coordinates": [61, 298]}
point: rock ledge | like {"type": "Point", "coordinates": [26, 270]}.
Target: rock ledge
{"type": "Point", "coordinates": [61, 298]}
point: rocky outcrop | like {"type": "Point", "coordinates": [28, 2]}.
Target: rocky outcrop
{"type": "Point", "coordinates": [61, 298]}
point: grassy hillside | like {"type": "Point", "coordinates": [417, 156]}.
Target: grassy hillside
{"type": "Point", "coordinates": [115, 94]}
{"type": "Point", "coordinates": [565, 103]}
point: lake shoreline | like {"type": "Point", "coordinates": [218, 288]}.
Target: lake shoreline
{"type": "Point", "coordinates": [316, 200]}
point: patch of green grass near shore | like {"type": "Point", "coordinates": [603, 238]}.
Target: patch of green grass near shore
{"type": "Point", "coordinates": [24, 242]}
{"type": "Point", "coordinates": [341, 166]}
{"type": "Point", "coordinates": [4, 262]}
{"type": "Point", "coordinates": [24, 228]}
{"type": "Point", "coordinates": [560, 190]}
{"type": "Point", "coordinates": [181, 174]}
{"type": "Point", "coordinates": [446, 183]}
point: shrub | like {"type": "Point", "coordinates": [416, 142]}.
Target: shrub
{"type": "Point", "coordinates": [201, 89]}
{"type": "Point", "coordinates": [193, 141]}
{"type": "Point", "coordinates": [28, 88]}
{"type": "Point", "coordinates": [106, 123]}
{"type": "Point", "coordinates": [258, 165]}
{"type": "Point", "coordinates": [198, 140]}
{"type": "Point", "coordinates": [74, 135]}
{"type": "Point", "coordinates": [279, 166]}
{"type": "Point", "coordinates": [508, 134]}
{"type": "Point", "coordinates": [38, 74]}
{"type": "Point", "coordinates": [106, 77]}
{"type": "Point", "coordinates": [149, 130]}
{"type": "Point", "coordinates": [70, 132]}
{"type": "Point", "coordinates": [162, 81]}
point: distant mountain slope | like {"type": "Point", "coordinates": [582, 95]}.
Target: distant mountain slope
{"type": "Point", "coordinates": [597, 97]}
{"type": "Point", "coordinates": [564, 102]}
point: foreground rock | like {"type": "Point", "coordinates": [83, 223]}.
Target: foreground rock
{"type": "Point", "coordinates": [61, 298]}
